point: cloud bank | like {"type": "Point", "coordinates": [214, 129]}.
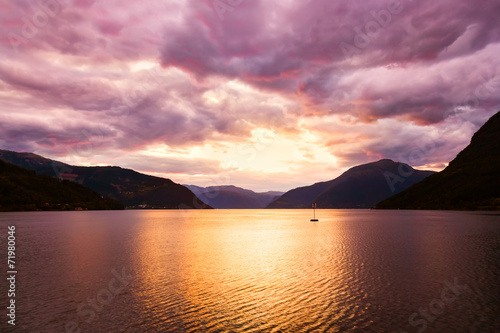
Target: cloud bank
{"type": "Point", "coordinates": [257, 91]}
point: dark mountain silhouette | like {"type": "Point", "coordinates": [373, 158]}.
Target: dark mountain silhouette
{"type": "Point", "coordinates": [131, 188]}
{"type": "Point", "coordinates": [22, 189]}
{"type": "Point", "coordinates": [470, 182]}
{"type": "Point", "coordinates": [232, 197]}
{"type": "Point", "coordinates": [359, 187]}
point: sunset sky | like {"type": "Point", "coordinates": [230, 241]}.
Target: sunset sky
{"type": "Point", "coordinates": [266, 95]}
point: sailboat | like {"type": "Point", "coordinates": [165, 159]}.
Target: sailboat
{"type": "Point", "coordinates": [314, 219]}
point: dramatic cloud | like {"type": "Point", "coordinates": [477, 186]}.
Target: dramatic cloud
{"type": "Point", "coordinates": [267, 95]}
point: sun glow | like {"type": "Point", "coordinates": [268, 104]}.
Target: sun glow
{"type": "Point", "coordinates": [142, 65]}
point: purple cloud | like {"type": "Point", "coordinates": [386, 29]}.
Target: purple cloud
{"type": "Point", "coordinates": [366, 80]}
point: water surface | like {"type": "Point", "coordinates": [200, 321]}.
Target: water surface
{"type": "Point", "coordinates": [256, 271]}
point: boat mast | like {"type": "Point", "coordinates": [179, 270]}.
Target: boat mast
{"type": "Point", "coordinates": [314, 210]}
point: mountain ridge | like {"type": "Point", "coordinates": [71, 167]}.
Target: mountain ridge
{"type": "Point", "coordinates": [131, 188]}
{"type": "Point", "coordinates": [361, 186]}
{"type": "Point", "coordinates": [471, 181]}
{"type": "Point", "coordinates": [23, 190]}
{"type": "Point", "coordinates": [233, 197]}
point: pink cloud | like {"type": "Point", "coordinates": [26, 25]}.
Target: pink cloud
{"type": "Point", "coordinates": [76, 66]}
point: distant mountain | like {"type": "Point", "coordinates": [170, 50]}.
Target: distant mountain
{"type": "Point", "coordinates": [22, 189]}
{"type": "Point", "coordinates": [470, 182]}
{"type": "Point", "coordinates": [232, 197]}
{"type": "Point", "coordinates": [359, 187]}
{"type": "Point", "coordinates": [131, 188]}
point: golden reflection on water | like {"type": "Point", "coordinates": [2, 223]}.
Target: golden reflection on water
{"type": "Point", "coordinates": [274, 271]}
{"type": "Point", "coordinates": [257, 270]}
{"type": "Point", "coordinates": [155, 253]}
{"type": "Point", "coordinates": [243, 267]}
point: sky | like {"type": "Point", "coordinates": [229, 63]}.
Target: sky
{"type": "Point", "coordinates": [266, 95]}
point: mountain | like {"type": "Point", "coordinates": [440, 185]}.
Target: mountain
{"type": "Point", "coordinates": [232, 197]}
{"type": "Point", "coordinates": [131, 188]}
{"type": "Point", "coordinates": [22, 189]}
{"type": "Point", "coordinates": [359, 187]}
{"type": "Point", "coordinates": [470, 182]}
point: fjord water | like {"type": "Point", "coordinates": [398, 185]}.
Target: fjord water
{"type": "Point", "coordinates": [255, 271]}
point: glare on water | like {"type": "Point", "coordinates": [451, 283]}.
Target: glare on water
{"type": "Point", "coordinates": [257, 271]}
